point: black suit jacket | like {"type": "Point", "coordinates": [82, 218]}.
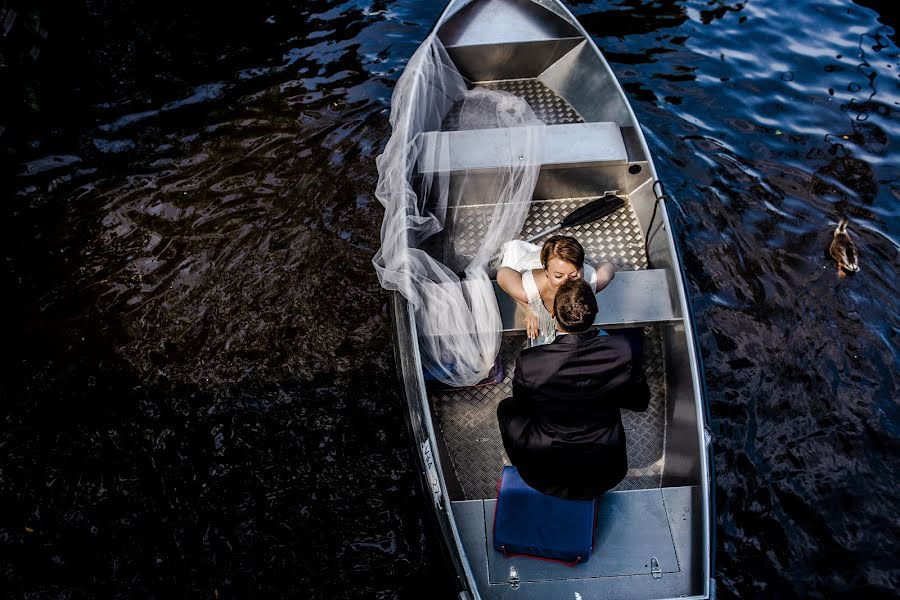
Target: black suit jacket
{"type": "Point", "coordinates": [562, 428]}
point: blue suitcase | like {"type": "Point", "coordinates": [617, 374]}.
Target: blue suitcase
{"type": "Point", "coordinates": [529, 523]}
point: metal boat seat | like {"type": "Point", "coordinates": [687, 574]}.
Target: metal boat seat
{"type": "Point", "coordinates": [632, 299]}
{"type": "Point", "coordinates": [573, 144]}
{"type": "Point", "coordinates": [578, 159]}
{"type": "Point", "coordinates": [532, 38]}
{"type": "Point", "coordinates": [643, 539]}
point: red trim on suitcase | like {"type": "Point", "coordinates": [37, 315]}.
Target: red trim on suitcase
{"type": "Point", "coordinates": [507, 554]}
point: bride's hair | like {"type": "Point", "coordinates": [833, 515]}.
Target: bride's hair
{"type": "Point", "coordinates": [563, 247]}
{"type": "Point", "coordinates": [575, 306]}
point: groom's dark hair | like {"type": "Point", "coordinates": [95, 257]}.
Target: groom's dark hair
{"type": "Point", "coordinates": [575, 306]}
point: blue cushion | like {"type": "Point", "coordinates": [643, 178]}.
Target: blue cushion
{"type": "Point", "coordinates": [527, 522]}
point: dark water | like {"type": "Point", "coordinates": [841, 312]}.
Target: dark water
{"type": "Point", "coordinates": [199, 397]}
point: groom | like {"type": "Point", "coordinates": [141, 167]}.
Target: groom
{"type": "Point", "coordinates": [562, 428]}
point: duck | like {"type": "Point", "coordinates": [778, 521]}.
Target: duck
{"type": "Point", "coordinates": [843, 250]}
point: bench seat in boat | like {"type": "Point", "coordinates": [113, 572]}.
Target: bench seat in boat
{"type": "Point", "coordinates": [642, 539]}
{"type": "Point", "coordinates": [579, 160]}
{"type": "Point", "coordinates": [632, 299]}
{"type": "Point", "coordinates": [571, 144]}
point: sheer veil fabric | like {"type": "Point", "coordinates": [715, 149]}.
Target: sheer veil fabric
{"type": "Point", "coordinates": [457, 318]}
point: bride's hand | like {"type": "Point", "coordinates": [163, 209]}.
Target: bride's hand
{"type": "Point", "coordinates": [532, 326]}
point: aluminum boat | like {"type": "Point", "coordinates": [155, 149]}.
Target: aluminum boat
{"type": "Point", "coordinates": [654, 531]}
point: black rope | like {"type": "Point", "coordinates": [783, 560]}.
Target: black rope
{"type": "Point", "coordinates": [660, 195]}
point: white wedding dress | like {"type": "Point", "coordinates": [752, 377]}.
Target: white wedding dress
{"type": "Point", "coordinates": [525, 258]}
{"type": "Point", "coordinates": [457, 320]}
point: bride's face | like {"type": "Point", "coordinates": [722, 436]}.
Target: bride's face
{"type": "Point", "coordinates": [559, 271]}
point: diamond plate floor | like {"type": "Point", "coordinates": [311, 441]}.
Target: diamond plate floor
{"type": "Point", "coordinates": [645, 433]}
{"type": "Point", "coordinates": [468, 422]}
{"type": "Point", "coordinates": [547, 106]}
{"type": "Point", "coordinates": [616, 237]}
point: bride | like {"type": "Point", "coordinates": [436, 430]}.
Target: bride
{"type": "Point", "coordinates": [532, 275]}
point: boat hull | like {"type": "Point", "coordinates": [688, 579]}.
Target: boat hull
{"type": "Point", "coordinates": [655, 537]}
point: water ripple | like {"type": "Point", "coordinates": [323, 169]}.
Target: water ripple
{"type": "Point", "coordinates": [196, 369]}
{"type": "Point", "coordinates": [777, 134]}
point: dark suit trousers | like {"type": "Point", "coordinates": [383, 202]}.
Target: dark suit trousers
{"type": "Point", "coordinates": [512, 419]}
{"type": "Point", "coordinates": [586, 481]}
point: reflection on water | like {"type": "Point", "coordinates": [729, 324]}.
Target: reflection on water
{"type": "Point", "coordinates": [200, 392]}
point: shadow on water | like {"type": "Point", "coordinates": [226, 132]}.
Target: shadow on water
{"type": "Point", "coordinates": [199, 397]}
{"type": "Point", "coordinates": [199, 394]}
